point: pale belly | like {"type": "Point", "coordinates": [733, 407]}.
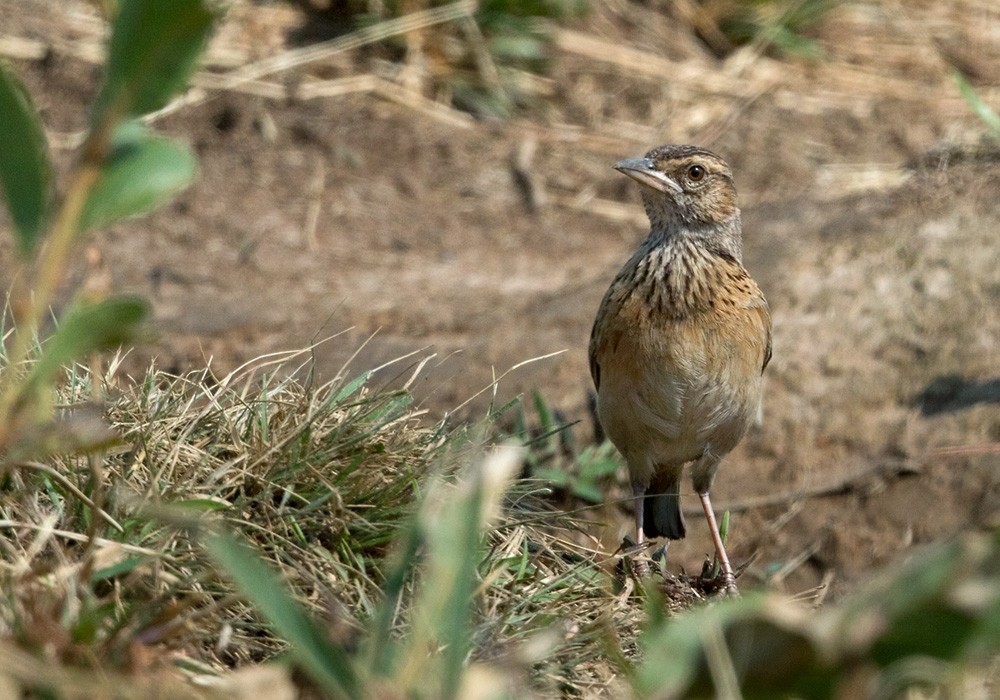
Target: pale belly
{"type": "Point", "coordinates": [666, 419]}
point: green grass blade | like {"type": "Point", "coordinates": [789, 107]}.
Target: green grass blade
{"type": "Point", "coordinates": [460, 553]}
{"type": "Point", "coordinates": [545, 419]}
{"type": "Point", "coordinates": [381, 642]}
{"type": "Point", "coordinates": [454, 524]}
{"type": "Point", "coordinates": [350, 388]}
{"type": "Point", "coordinates": [324, 661]}
{"type": "Point", "coordinates": [982, 110]}
{"type": "Point", "coordinates": [25, 174]}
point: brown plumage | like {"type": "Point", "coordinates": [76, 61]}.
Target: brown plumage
{"type": "Point", "coordinates": [681, 339]}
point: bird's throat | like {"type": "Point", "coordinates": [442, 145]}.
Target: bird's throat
{"type": "Point", "coordinates": [679, 276]}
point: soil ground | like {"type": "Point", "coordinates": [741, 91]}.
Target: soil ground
{"type": "Point", "coordinates": [870, 215]}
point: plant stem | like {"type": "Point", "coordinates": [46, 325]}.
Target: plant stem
{"type": "Point", "coordinates": [50, 269]}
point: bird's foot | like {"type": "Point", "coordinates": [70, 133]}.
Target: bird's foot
{"type": "Point", "coordinates": [640, 566]}
{"type": "Point", "coordinates": [715, 579]}
{"type": "Point", "coordinates": [720, 583]}
{"type": "Point", "coordinates": [636, 557]}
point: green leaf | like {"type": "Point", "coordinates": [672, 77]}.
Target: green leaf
{"type": "Point", "coordinates": [724, 527]}
{"type": "Point", "coordinates": [598, 461]}
{"type": "Point", "coordinates": [85, 329]}
{"type": "Point", "coordinates": [453, 520]}
{"type": "Point", "coordinates": [125, 566]}
{"type": "Point", "coordinates": [916, 605]}
{"type": "Point", "coordinates": [325, 662]}
{"type": "Point", "coordinates": [350, 388]}
{"type": "Point", "coordinates": [982, 110]}
{"type": "Point", "coordinates": [25, 174]}
{"type": "Point", "coordinates": [443, 610]}
{"type": "Point", "coordinates": [382, 647]}
{"type": "Point", "coordinates": [142, 172]}
{"type": "Point", "coordinates": [542, 408]}
{"type": "Point", "coordinates": [154, 49]}
{"type": "Point", "coordinates": [794, 44]}
{"type": "Point", "coordinates": [556, 477]}
{"type": "Point", "coordinates": [766, 640]}
{"type": "Point", "coordinates": [588, 491]}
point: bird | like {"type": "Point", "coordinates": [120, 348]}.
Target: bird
{"type": "Point", "coordinates": [680, 341]}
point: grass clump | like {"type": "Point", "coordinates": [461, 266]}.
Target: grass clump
{"type": "Point", "coordinates": [119, 562]}
{"type": "Point", "coordinates": [326, 534]}
{"type": "Point", "coordinates": [318, 479]}
{"type": "Point", "coordinates": [581, 474]}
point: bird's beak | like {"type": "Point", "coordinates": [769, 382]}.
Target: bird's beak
{"type": "Point", "coordinates": [644, 171]}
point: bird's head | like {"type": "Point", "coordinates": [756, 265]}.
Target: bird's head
{"type": "Point", "coordinates": [685, 187]}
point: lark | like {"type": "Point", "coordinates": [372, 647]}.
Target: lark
{"type": "Point", "coordinates": [681, 341]}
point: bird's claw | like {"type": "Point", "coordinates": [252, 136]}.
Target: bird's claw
{"type": "Point", "coordinates": [640, 567]}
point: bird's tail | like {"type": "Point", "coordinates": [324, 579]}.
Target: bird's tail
{"type": "Point", "coordinates": [662, 512]}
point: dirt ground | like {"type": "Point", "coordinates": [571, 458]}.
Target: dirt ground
{"type": "Point", "coordinates": [870, 214]}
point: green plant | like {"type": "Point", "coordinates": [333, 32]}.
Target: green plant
{"type": "Point", "coordinates": [96, 523]}
{"type": "Point", "coordinates": [982, 110]}
{"type": "Point", "coordinates": [446, 540]}
{"type": "Point", "coordinates": [356, 515]}
{"type": "Point", "coordinates": [918, 626]}
{"type": "Point", "coordinates": [123, 170]}
{"type": "Point", "coordinates": [554, 456]}
{"type": "Point", "coordinates": [320, 479]}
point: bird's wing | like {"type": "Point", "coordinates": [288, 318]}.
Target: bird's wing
{"type": "Point", "coordinates": [595, 366]}
{"type": "Point", "coordinates": [742, 312]}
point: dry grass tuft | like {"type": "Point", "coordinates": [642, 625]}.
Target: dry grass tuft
{"type": "Point", "coordinates": [322, 479]}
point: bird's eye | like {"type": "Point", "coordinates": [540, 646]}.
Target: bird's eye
{"type": "Point", "coordinates": [696, 173]}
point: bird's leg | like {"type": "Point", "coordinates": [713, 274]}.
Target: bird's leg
{"type": "Point", "coordinates": [640, 565]}
{"type": "Point", "coordinates": [720, 549]}
{"type": "Point", "coordinates": [640, 499]}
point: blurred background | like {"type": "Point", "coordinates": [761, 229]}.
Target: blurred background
{"type": "Point", "coordinates": [434, 178]}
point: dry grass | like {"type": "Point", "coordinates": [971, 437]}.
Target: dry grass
{"type": "Point", "coordinates": [322, 479]}
{"type": "Point", "coordinates": [346, 492]}
{"type": "Point", "coordinates": [319, 478]}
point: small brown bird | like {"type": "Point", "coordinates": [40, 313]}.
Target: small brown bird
{"type": "Point", "coordinates": [681, 340]}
